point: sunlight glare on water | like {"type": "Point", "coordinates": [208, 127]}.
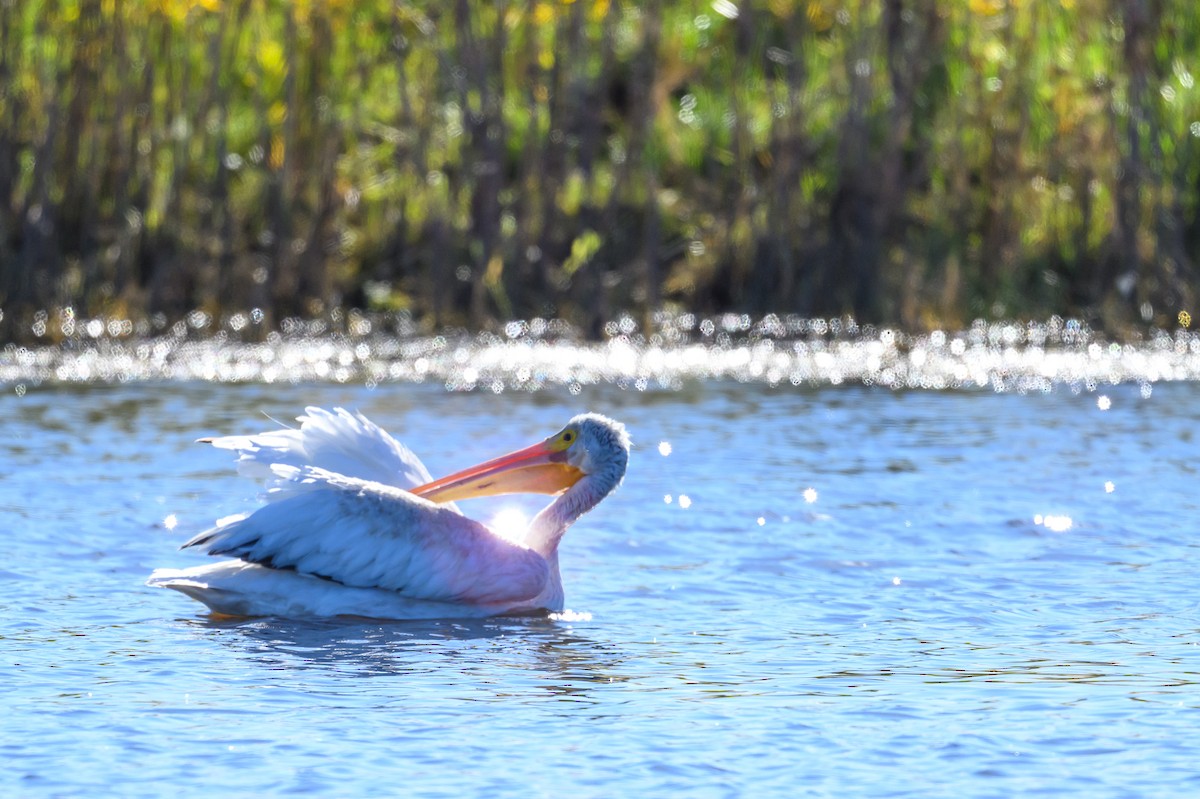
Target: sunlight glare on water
{"type": "Point", "coordinates": [511, 524]}
{"type": "Point", "coordinates": [1055, 523]}
{"type": "Point", "coordinates": [530, 356]}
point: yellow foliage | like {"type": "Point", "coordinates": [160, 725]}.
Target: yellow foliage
{"type": "Point", "coordinates": [782, 9]}
{"type": "Point", "coordinates": [270, 57]}
{"type": "Point", "coordinates": [995, 52]}
{"type": "Point", "coordinates": [178, 10]}
{"type": "Point", "coordinates": [582, 249]}
{"type": "Point", "coordinates": [987, 8]}
{"type": "Point", "coordinates": [820, 17]}
{"type": "Point", "coordinates": [333, 11]}
{"type": "Point", "coordinates": [495, 271]}
{"type": "Point", "coordinates": [571, 195]}
{"type": "Point", "coordinates": [543, 13]}
{"type": "Point", "coordinates": [1066, 106]}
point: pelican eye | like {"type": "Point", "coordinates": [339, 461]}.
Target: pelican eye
{"type": "Point", "coordinates": [562, 440]}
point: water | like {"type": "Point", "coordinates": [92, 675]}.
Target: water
{"type": "Point", "coordinates": [530, 356]}
{"type": "Point", "coordinates": [821, 591]}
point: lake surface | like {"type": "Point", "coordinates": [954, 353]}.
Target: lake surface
{"type": "Point", "coordinates": [798, 591]}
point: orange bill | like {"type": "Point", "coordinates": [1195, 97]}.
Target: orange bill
{"type": "Point", "coordinates": [540, 469]}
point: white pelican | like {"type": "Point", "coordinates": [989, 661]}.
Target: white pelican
{"type": "Point", "coordinates": [351, 525]}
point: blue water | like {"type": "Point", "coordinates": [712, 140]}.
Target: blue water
{"type": "Point", "coordinates": [813, 592]}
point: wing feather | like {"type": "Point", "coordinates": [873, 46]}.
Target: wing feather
{"type": "Point", "coordinates": [334, 440]}
{"type": "Point", "coordinates": [370, 535]}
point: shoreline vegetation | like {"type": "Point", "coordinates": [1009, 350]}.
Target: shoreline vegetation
{"type": "Point", "coordinates": [905, 163]}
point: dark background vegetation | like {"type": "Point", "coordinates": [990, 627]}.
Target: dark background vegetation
{"type": "Point", "coordinates": [908, 162]}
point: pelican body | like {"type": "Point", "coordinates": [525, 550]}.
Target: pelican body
{"type": "Point", "coordinates": [355, 525]}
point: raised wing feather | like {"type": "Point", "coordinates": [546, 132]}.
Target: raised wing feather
{"type": "Point", "coordinates": [369, 535]}
{"type": "Point", "coordinates": [336, 441]}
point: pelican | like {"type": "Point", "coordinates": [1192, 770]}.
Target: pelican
{"type": "Point", "coordinates": [355, 525]}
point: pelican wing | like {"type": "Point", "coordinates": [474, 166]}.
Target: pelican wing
{"type": "Point", "coordinates": [336, 441]}
{"type": "Point", "coordinates": [369, 535]}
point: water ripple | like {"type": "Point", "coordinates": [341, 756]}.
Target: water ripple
{"type": "Point", "coordinates": [863, 585]}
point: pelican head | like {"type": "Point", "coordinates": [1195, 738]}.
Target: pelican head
{"type": "Point", "coordinates": [590, 445]}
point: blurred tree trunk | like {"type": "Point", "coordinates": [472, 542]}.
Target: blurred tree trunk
{"type": "Point", "coordinates": [79, 211]}
{"type": "Point", "coordinates": [787, 225]}
{"type": "Point", "coordinates": [1136, 21]}
{"type": "Point", "coordinates": [915, 40]}
{"type": "Point", "coordinates": [39, 266]}
{"type": "Point", "coordinates": [481, 103]}
{"type": "Point", "coordinates": [217, 218]}
{"type": "Point", "coordinates": [737, 188]}
{"type": "Point", "coordinates": [1172, 284]}
{"type": "Point", "coordinates": [319, 140]}
{"type": "Point", "coordinates": [854, 213]}
{"type": "Point", "coordinates": [10, 282]}
{"type": "Point", "coordinates": [552, 168]}
{"type": "Point", "coordinates": [169, 282]}
{"type": "Point", "coordinates": [282, 156]}
{"type": "Point", "coordinates": [531, 207]}
{"type": "Point", "coordinates": [639, 166]}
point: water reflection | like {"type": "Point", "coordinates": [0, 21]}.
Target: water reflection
{"type": "Point", "coordinates": [564, 660]}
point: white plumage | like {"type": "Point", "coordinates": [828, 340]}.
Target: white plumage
{"type": "Point", "coordinates": [350, 525]}
{"type": "Point", "coordinates": [337, 441]}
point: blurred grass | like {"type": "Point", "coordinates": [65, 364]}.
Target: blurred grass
{"type": "Point", "coordinates": [913, 163]}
